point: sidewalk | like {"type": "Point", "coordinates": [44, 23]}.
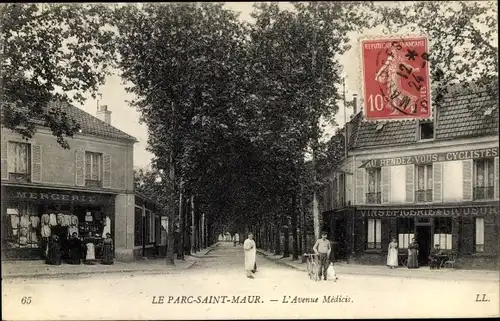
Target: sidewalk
{"type": "Point", "coordinates": [32, 269]}
{"type": "Point", "coordinates": [379, 270]}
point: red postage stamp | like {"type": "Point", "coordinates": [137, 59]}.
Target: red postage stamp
{"type": "Point", "coordinates": [396, 78]}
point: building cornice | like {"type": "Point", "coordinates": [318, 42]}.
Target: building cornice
{"type": "Point", "coordinates": [425, 145]}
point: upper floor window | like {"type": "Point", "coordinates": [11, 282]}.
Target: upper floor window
{"type": "Point", "coordinates": [373, 195]}
{"type": "Point", "coordinates": [484, 179]}
{"type": "Point", "coordinates": [426, 130]}
{"type": "Point", "coordinates": [19, 161]}
{"type": "Point", "coordinates": [93, 169]}
{"type": "Point", "coordinates": [423, 177]}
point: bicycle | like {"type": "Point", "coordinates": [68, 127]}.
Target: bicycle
{"type": "Point", "coordinates": [312, 266]}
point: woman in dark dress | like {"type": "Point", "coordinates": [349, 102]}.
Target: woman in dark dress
{"type": "Point", "coordinates": [413, 255]}
{"type": "Point", "coordinates": [107, 250]}
{"type": "Point", "coordinates": [75, 250]}
{"type": "Point", "coordinates": [54, 253]}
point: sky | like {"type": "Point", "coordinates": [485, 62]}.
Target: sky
{"type": "Point", "coordinates": [126, 118]}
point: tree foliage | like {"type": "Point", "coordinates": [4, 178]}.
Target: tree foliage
{"type": "Point", "coordinates": [463, 39]}
{"type": "Point", "coordinates": [237, 104]}
{"type": "Point", "coordinates": [55, 52]}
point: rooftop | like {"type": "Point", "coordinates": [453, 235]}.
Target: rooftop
{"type": "Point", "coordinates": [458, 116]}
{"type": "Point", "coordinates": [89, 124]}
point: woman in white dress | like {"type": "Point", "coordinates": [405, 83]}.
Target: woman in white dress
{"type": "Point", "coordinates": [250, 253]}
{"type": "Point", "coordinates": [392, 254]}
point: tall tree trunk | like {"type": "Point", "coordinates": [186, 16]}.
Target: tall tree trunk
{"type": "Point", "coordinates": [295, 244]}
{"type": "Point", "coordinates": [203, 231]}
{"type": "Point", "coordinates": [182, 225]}
{"type": "Point", "coordinates": [303, 220]}
{"type": "Point", "coordinates": [187, 226]}
{"type": "Point", "coordinates": [193, 231]}
{"type": "Point", "coordinates": [171, 214]}
{"type": "Point", "coordinates": [315, 199]}
{"type": "Point", "coordinates": [286, 235]}
{"type": "Point", "coordinates": [277, 235]}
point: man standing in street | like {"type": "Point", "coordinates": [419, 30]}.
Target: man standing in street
{"type": "Point", "coordinates": [250, 253]}
{"type": "Point", "coordinates": [236, 239]}
{"type": "Point", "coordinates": [323, 248]}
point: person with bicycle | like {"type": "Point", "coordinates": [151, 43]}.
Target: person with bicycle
{"type": "Point", "coordinates": [323, 249]}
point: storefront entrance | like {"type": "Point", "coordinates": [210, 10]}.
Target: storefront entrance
{"type": "Point", "coordinates": [424, 240]}
{"type": "Point", "coordinates": [340, 237]}
{"type": "Point", "coordinates": [31, 216]}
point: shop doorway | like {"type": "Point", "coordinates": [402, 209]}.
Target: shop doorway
{"type": "Point", "coordinates": [340, 238]}
{"type": "Point", "coordinates": [424, 240]}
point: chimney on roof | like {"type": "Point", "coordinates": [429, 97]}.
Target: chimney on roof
{"type": "Point", "coordinates": [104, 114]}
{"type": "Point", "coordinates": [354, 104]}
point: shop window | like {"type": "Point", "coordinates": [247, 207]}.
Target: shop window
{"type": "Point", "coordinates": [426, 130]}
{"type": "Point", "coordinates": [423, 183]}
{"type": "Point", "coordinates": [484, 179]}
{"type": "Point", "coordinates": [138, 226]}
{"type": "Point", "coordinates": [21, 227]}
{"type": "Point", "coordinates": [479, 234]}
{"type": "Point", "coordinates": [374, 234]}
{"type": "Point", "coordinates": [373, 195]}
{"type": "Point", "coordinates": [93, 169]}
{"type": "Point", "coordinates": [150, 226]}
{"type": "Point", "coordinates": [442, 232]}
{"type": "Point", "coordinates": [406, 229]}
{"type": "Point", "coordinates": [19, 161]}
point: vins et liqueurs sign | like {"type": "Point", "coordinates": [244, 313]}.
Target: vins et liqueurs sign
{"type": "Point", "coordinates": [448, 212]}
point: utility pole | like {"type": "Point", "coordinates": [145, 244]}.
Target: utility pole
{"type": "Point", "coordinates": [314, 146]}
{"type": "Point", "coordinates": [352, 233]}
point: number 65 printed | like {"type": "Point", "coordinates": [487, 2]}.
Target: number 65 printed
{"type": "Point", "coordinates": [26, 300]}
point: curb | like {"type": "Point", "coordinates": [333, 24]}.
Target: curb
{"type": "Point", "coordinates": [208, 250]}
{"type": "Point", "coordinates": [57, 275]}
{"type": "Point", "coordinates": [144, 271]}
{"type": "Point", "coordinates": [365, 273]}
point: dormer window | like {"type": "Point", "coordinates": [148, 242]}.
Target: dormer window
{"type": "Point", "coordinates": [488, 111]}
{"type": "Point", "coordinates": [426, 130]}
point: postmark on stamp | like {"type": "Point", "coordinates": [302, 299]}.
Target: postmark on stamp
{"type": "Point", "coordinates": [396, 78]}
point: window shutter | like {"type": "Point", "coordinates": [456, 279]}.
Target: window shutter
{"type": "Point", "coordinates": [36, 163]}
{"type": "Point", "coordinates": [106, 164]}
{"type": "Point", "coordinates": [80, 168]}
{"type": "Point", "coordinates": [437, 178]}
{"type": "Point", "coordinates": [386, 184]}
{"type": "Point", "coordinates": [467, 166]}
{"type": "Point", "coordinates": [479, 234]}
{"type": "Point", "coordinates": [378, 233]}
{"type": "Point", "coordinates": [497, 181]}
{"type": "Point", "coordinates": [360, 186]}
{"type": "Point", "coordinates": [410, 183]}
{"type": "Point", "coordinates": [5, 172]}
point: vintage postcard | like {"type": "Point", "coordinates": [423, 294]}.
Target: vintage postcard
{"type": "Point", "coordinates": [250, 160]}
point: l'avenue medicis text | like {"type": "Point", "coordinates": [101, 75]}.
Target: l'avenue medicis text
{"type": "Point", "coordinates": [325, 299]}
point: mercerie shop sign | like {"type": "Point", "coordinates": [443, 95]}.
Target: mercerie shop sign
{"type": "Point", "coordinates": [58, 197]}
{"type": "Point", "coordinates": [432, 158]}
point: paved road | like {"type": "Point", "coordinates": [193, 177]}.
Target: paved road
{"type": "Point", "coordinates": [220, 274]}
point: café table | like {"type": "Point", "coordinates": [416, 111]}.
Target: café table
{"type": "Point", "coordinates": [441, 259]}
